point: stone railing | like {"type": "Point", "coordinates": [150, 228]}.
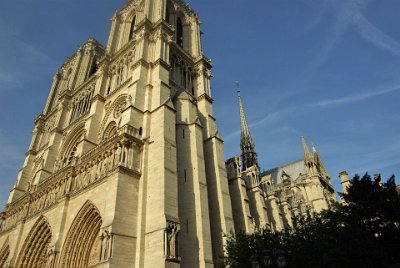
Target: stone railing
{"type": "Point", "coordinates": [123, 151]}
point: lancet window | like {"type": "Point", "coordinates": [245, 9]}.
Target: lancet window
{"type": "Point", "coordinates": [132, 29]}
{"type": "Point", "coordinates": [81, 105]}
{"type": "Point", "coordinates": [93, 67]}
{"type": "Point", "coordinates": [182, 75]}
{"type": "Point", "coordinates": [179, 32]}
{"type": "Point", "coordinates": [70, 149]}
{"type": "Point", "coordinates": [120, 72]}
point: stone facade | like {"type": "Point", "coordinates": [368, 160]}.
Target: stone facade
{"type": "Point", "coordinates": [126, 167]}
{"type": "Point", "coordinates": [271, 199]}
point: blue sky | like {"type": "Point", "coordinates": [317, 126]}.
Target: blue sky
{"type": "Point", "coordinates": [327, 69]}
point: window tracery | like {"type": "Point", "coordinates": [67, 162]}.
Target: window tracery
{"type": "Point", "coordinates": [113, 113]}
{"type": "Point", "coordinates": [182, 74]}
{"type": "Point", "coordinates": [120, 72]}
{"type": "Point", "coordinates": [81, 104]}
{"type": "Point", "coordinates": [110, 131]}
{"type": "Point", "coordinates": [69, 150]}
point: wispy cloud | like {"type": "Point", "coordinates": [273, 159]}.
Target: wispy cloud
{"type": "Point", "coordinates": [353, 98]}
{"type": "Point", "coordinates": [327, 103]}
{"type": "Point", "coordinates": [374, 35]}
{"type": "Point", "coordinates": [344, 15]}
{"type": "Point", "coordinates": [350, 14]}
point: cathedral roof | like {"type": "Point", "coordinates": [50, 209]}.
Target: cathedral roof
{"type": "Point", "coordinates": [291, 170]}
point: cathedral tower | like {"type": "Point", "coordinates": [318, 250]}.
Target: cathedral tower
{"type": "Point", "coordinates": [126, 166]}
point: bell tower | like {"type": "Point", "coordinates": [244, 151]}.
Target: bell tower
{"type": "Point", "coordinates": [126, 165]}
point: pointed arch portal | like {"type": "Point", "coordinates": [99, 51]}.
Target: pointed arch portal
{"type": "Point", "coordinates": [34, 251]}
{"type": "Point", "coordinates": [81, 248]}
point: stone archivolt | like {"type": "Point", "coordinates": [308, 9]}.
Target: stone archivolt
{"type": "Point", "coordinates": [34, 251]}
{"type": "Point", "coordinates": [4, 253]}
{"type": "Point", "coordinates": [82, 239]}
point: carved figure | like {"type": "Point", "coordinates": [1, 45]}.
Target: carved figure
{"type": "Point", "coordinates": [172, 231]}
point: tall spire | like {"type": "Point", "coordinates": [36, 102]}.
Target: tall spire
{"type": "Point", "coordinates": [249, 155]}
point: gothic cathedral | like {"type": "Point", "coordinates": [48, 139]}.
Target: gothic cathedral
{"type": "Point", "coordinates": [126, 167]}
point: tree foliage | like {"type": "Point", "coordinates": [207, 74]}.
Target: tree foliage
{"type": "Point", "coordinates": [362, 232]}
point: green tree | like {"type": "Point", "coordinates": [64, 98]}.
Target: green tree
{"type": "Point", "coordinates": [362, 232]}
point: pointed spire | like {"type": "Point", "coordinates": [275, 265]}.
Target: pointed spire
{"type": "Point", "coordinates": [249, 155]}
{"type": "Point", "coordinates": [307, 154]}
{"type": "Point", "coordinates": [245, 132]}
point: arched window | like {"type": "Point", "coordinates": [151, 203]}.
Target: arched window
{"type": "Point", "coordinates": [93, 68]}
{"type": "Point", "coordinates": [179, 33]}
{"type": "Point", "coordinates": [132, 30]}
{"type": "Point", "coordinates": [111, 130]}
{"type": "Point", "coordinates": [69, 150]}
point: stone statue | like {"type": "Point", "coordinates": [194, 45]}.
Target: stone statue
{"type": "Point", "coordinates": [172, 232]}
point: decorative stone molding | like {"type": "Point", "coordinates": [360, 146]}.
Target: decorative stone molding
{"type": "Point", "coordinates": [121, 151]}
{"type": "Point", "coordinates": [4, 253]}
{"type": "Point", "coordinates": [115, 109]}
